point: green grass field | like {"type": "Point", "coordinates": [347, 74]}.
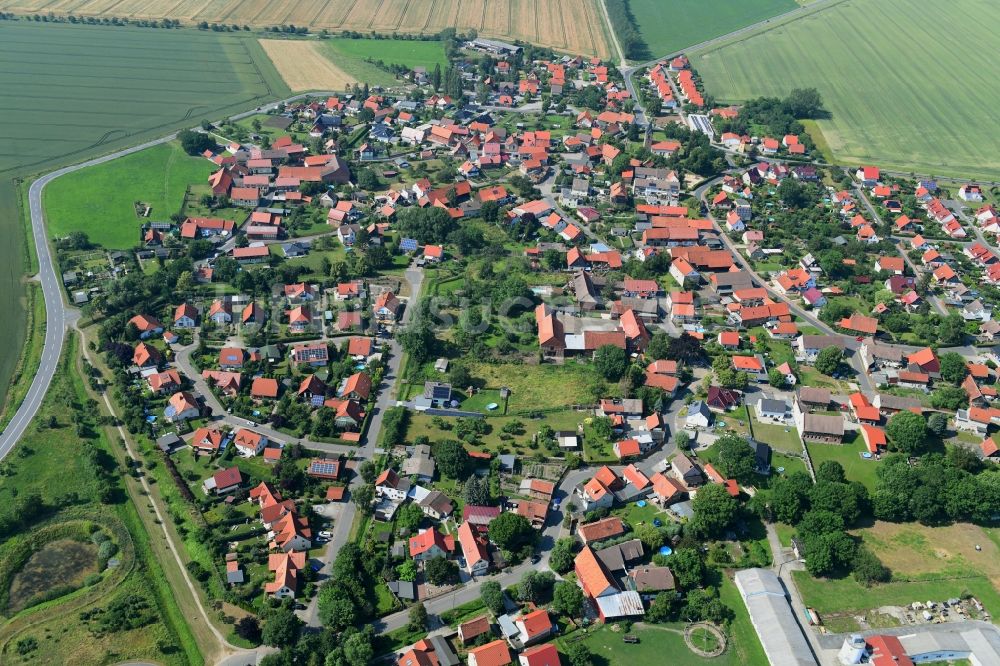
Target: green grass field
{"type": "Point", "coordinates": [99, 200]}
{"type": "Point", "coordinates": [409, 52]}
{"type": "Point", "coordinates": [351, 55]}
{"type": "Point", "coordinates": [849, 456]}
{"type": "Point", "coordinates": [898, 95]}
{"type": "Point", "coordinates": [668, 26]}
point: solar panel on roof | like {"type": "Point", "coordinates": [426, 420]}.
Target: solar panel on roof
{"type": "Point", "coordinates": [317, 400]}
{"type": "Point", "coordinates": [323, 468]}
{"type": "Point", "coordinates": [408, 244]}
{"type": "Point", "coordinates": [441, 392]}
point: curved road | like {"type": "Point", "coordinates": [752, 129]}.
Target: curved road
{"type": "Point", "coordinates": [58, 316]}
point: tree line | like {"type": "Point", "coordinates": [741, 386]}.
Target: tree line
{"type": "Point", "coordinates": [626, 28]}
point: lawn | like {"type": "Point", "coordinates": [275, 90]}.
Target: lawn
{"type": "Point", "coordinates": [668, 26]}
{"type": "Point", "coordinates": [895, 98]}
{"type": "Point", "coordinates": [655, 641]}
{"type": "Point", "coordinates": [780, 437]}
{"type": "Point", "coordinates": [849, 456]}
{"type": "Point", "coordinates": [421, 424]}
{"type": "Point", "coordinates": [99, 200]}
{"type": "Point", "coordinates": [540, 387]}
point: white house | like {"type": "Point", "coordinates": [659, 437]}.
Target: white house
{"type": "Point", "coordinates": [698, 416]}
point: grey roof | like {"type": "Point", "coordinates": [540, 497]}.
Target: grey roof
{"type": "Point", "coordinates": [886, 352]}
{"type": "Point", "coordinates": [894, 402]}
{"type": "Point", "coordinates": [652, 578]}
{"type": "Point", "coordinates": [617, 557]}
{"type": "Point", "coordinates": [443, 652]}
{"type": "Point", "coordinates": [815, 396]}
{"type": "Point", "coordinates": [771, 406]}
{"type": "Point", "coordinates": [699, 407]}
{"type": "Point", "coordinates": [821, 341]}
{"type": "Point", "coordinates": [403, 589]}
{"type": "Point", "coordinates": [822, 424]}
{"type": "Point", "coordinates": [773, 619]}
{"type": "Point", "coordinates": [735, 279]}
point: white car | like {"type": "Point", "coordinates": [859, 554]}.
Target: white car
{"type": "Point", "coordinates": [325, 535]}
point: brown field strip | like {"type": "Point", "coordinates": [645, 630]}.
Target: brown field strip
{"type": "Point", "coordinates": [303, 67]}
{"type": "Point", "coordinates": [574, 26]}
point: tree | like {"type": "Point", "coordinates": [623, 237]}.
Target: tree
{"type": "Point", "coordinates": [195, 143]}
{"type": "Point", "coordinates": [248, 628]}
{"type": "Point", "coordinates": [705, 605]}
{"type": "Point", "coordinates": [452, 459]}
{"type": "Point", "coordinates": [839, 498]}
{"type": "Point", "coordinates": [477, 492]}
{"type": "Point", "coordinates": [492, 596]}
{"type": "Point", "coordinates": [417, 618]}
{"type": "Point", "coordinates": [937, 423]}
{"type": "Point", "coordinates": [804, 103]}
{"type": "Point", "coordinates": [829, 553]}
{"type": "Point", "coordinates": [535, 586]}
{"type": "Point", "coordinates": [358, 648]}
{"type": "Point", "coordinates": [867, 569]}
{"type": "Point", "coordinates": [688, 567]}
{"type": "Point", "coordinates": [907, 432]}
{"type": "Point", "coordinates": [790, 497]}
{"type": "Point", "coordinates": [567, 599]}
{"type": "Point", "coordinates": [832, 471]}
{"type": "Point", "coordinates": [511, 531]}
{"type": "Point", "coordinates": [736, 458]}
{"type": "Point", "coordinates": [282, 628]}
{"type": "Point", "coordinates": [793, 193]}
{"type": "Point", "coordinates": [714, 510]}
{"type": "Point", "coordinates": [662, 608]}
{"type": "Point", "coordinates": [611, 362]}
{"type": "Point", "coordinates": [363, 496]}
{"type": "Point", "coordinates": [659, 346]}
{"type": "Point", "coordinates": [441, 571]}
{"type": "Point", "coordinates": [776, 378]}
{"type": "Point", "coordinates": [578, 654]}
{"type": "Point", "coordinates": [953, 367]}
{"type": "Point", "coordinates": [368, 471]}
{"type": "Point", "coordinates": [562, 555]}
{"type": "Point", "coordinates": [828, 360]}
{"type": "Point", "coordinates": [949, 397]}
{"type": "Point", "coordinates": [409, 516]}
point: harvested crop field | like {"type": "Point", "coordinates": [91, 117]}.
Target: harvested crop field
{"type": "Point", "coordinates": [899, 96]}
{"type": "Point", "coordinates": [303, 66]}
{"type": "Point", "coordinates": [573, 26]}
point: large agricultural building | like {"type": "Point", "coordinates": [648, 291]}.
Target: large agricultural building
{"type": "Point", "coordinates": [773, 619]}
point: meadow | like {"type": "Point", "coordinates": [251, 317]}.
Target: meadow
{"type": "Point", "coordinates": [409, 52]}
{"type": "Point", "coordinates": [933, 563]}
{"type": "Point", "coordinates": [898, 95]}
{"type": "Point", "coordinates": [668, 26]}
{"type": "Point", "coordinates": [99, 200]}
{"type": "Point", "coordinates": [574, 26]}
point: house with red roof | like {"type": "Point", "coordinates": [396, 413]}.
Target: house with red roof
{"type": "Point", "coordinates": [533, 627]}
{"type": "Point", "coordinates": [430, 544]}
{"type": "Point", "coordinates": [475, 548]}
{"type": "Point", "coordinates": [148, 325]}
{"type": "Point", "coordinates": [540, 655]}
{"type": "Point", "coordinates": [495, 653]}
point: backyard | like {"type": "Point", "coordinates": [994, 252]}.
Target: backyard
{"type": "Point", "coordinates": [849, 456]}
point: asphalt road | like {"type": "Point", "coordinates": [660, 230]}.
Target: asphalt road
{"type": "Point", "coordinates": [386, 399]}
{"type": "Point", "coordinates": [58, 316]}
